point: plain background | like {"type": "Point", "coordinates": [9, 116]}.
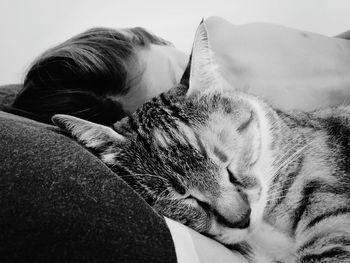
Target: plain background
{"type": "Point", "coordinates": [28, 27]}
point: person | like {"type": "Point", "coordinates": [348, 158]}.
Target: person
{"type": "Point", "coordinates": [99, 75]}
{"type": "Point", "coordinates": [291, 69]}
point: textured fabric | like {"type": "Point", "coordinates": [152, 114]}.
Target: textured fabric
{"type": "Point", "coordinates": [59, 203]}
{"type": "Point", "coordinates": [8, 93]}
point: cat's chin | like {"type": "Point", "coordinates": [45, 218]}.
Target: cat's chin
{"type": "Point", "coordinates": [230, 236]}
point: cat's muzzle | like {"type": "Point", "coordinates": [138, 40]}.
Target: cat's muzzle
{"type": "Point", "coordinates": [244, 222]}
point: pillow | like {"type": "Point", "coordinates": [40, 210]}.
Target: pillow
{"type": "Point", "coordinates": [8, 93]}
{"type": "Point", "coordinates": [59, 203]}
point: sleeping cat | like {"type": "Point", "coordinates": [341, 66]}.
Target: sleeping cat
{"type": "Point", "coordinates": [273, 186]}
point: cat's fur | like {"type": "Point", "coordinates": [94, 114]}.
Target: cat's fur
{"type": "Point", "coordinates": [271, 185]}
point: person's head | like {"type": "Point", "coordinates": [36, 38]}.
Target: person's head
{"type": "Point", "coordinates": [99, 75]}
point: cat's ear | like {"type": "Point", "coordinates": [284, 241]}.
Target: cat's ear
{"type": "Point", "coordinates": [91, 135]}
{"type": "Point", "coordinates": [203, 76]}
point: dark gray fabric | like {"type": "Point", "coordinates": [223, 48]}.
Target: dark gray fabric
{"type": "Point", "coordinates": [8, 93]}
{"type": "Point", "coordinates": [59, 203]}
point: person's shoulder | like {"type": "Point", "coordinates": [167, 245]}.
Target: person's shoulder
{"type": "Point", "coordinates": [216, 19]}
{"type": "Point", "coordinates": [216, 22]}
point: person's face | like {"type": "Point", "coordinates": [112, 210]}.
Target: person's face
{"type": "Point", "coordinates": [161, 67]}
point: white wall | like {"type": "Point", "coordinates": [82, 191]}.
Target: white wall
{"type": "Point", "coordinates": [28, 27]}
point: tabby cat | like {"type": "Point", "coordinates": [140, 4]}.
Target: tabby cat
{"type": "Point", "coordinates": [272, 185]}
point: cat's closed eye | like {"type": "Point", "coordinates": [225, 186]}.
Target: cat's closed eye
{"type": "Point", "coordinates": [201, 203]}
{"type": "Point", "coordinates": [232, 177]}
{"type": "Point", "coordinates": [178, 187]}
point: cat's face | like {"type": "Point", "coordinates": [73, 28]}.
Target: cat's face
{"type": "Point", "coordinates": [198, 158]}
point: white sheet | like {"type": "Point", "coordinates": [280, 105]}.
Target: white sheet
{"type": "Point", "coordinates": [192, 247]}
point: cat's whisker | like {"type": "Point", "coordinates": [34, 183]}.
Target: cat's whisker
{"type": "Point", "coordinates": [277, 195]}
{"type": "Point", "coordinates": [288, 161]}
{"type": "Point", "coordinates": [294, 145]}
{"type": "Point", "coordinates": [287, 154]}
{"type": "Point", "coordinates": [152, 175]}
{"type": "Point", "coordinates": [144, 175]}
{"type": "Point", "coordinates": [278, 186]}
{"type": "Point", "coordinates": [278, 190]}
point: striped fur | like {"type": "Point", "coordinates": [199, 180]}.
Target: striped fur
{"type": "Point", "coordinates": [174, 152]}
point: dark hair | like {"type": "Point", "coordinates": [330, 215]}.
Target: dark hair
{"type": "Point", "coordinates": [79, 76]}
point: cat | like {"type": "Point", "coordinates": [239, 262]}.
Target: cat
{"type": "Point", "coordinates": [274, 186]}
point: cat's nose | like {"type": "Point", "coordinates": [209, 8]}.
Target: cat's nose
{"type": "Point", "coordinates": [245, 221]}
{"type": "Point", "coordinates": [233, 210]}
